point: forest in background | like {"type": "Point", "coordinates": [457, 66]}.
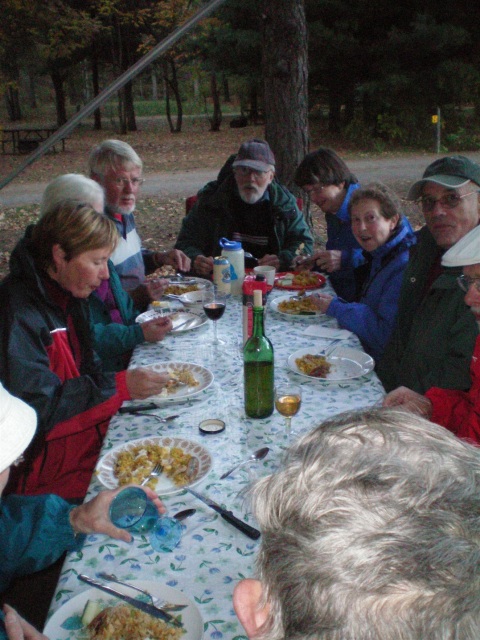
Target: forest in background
{"type": "Point", "coordinates": [378, 70]}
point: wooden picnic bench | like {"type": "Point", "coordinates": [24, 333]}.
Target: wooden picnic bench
{"type": "Point", "coordinates": [25, 139]}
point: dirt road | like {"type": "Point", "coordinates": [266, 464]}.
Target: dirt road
{"type": "Point", "coordinates": [398, 170]}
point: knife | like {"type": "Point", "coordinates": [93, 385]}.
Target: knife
{"type": "Point", "coordinates": [245, 528]}
{"type": "Point", "coordinates": [138, 604]}
{"type": "Point", "coordinates": [135, 408]}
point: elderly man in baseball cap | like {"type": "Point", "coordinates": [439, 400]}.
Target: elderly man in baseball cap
{"type": "Point", "coordinates": [458, 411]}
{"type": "Point", "coordinates": [36, 530]}
{"type": "Point", "coordinates": [433, 340]}
{"type": "Point", "coordinates": [245, 204]}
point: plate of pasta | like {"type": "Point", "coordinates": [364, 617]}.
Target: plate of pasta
{"type": "Point", "coordinates": [298, 280]}
{"type": "Point", "coordinates": [298, 306]}
{"type": "Point", "coordinates": [68, 622]}
{"type": "Point", "coordinates": [184, 463]}
{"type": "Point", "coordinates": [186, 380]}
{"type": "Point", "coordinates": [340, 366]}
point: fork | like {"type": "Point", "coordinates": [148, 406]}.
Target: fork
{"type": "Point", "coordinates": [331, 348]}
{"type": "Point", "coordinates": [161, 604]}
{"type": "Point", "coordinates": [154, 473]}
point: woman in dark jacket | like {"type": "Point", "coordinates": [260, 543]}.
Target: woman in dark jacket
{"type": "Point", "coordinates": [46, 352]}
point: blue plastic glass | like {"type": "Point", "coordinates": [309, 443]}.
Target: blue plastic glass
{"type": "Point", "coordinates": [131, 509]}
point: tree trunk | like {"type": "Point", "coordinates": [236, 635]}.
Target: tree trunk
{"type": "Point", "coordinates": [32, 96]}
{"type": "Point", "coordinates": [58, 80]}
{"type": "Point", "coordinates": [216, 119]}
{"type": "Point", "coordinates": [166, 83]}
{"type": "Point", "coordinates": [173, 83]}
{"type": "Point", "coordinates": [97, 114]}
{"type": "Point", "coordinates": [285, 73]}
{"type": "Point", "coordinates": [154, 90]}
{"type": "Point", "coordinates": [12, 102]}
{"type": "Point", "coordinates": [130, 107]}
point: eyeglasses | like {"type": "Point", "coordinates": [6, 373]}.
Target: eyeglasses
{"type": "Point", "coordinates": [123, 182]}
{"type": "Point", "coordinates": [318, 188]}
{"type": "Point", "coordinates": [465, 282]}
{"type": "Point", "coordinates": [246, 171]}
{"type": "Point", "coordinates": [448, 201]}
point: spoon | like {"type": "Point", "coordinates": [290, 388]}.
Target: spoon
{"type": "Point", "coordinates": [256, 455]}
{"type": "Point", "coordinates": [159, 418]}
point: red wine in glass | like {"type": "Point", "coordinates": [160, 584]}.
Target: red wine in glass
{"type": "Point", "coordinates": [214, 310]}
{"type": "Point", "coordinates": [214, 306]}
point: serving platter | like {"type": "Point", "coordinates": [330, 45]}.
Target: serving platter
{"type": "Point", "coordinates": [283, 280]}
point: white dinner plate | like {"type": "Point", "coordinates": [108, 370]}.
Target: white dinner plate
{"type": "Point", "coordinates": [192, 320]}
{"type": "Point", "coordinates": [165, 486]}
{"type": "Point", "coordinates": [202, 283]}
{"type": "Point", "coordinates": [66, 624]}
{"type": "Point", "coordinates": [276, 301]}
{"type": "Point", "coordinates": [347, 364]}
{"type": "Point", "coordinates": [203, 376]}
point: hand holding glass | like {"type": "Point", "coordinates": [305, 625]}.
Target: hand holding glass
{"type": "Point", "coordinates": [288, 398]}
{"type": "Point", "coordinates": [131, 509]}
{"type": "Point", "coordinates": [214, 303]}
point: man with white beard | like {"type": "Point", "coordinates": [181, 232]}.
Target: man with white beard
{"type": "Point", "coordinates": [457, 411]}
{"type": "Point", "coordinates": [245, 204]}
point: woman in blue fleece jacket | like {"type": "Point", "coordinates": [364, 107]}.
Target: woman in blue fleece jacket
{"type": "Point", "coordinates": [386, 237]}
{"type": "Point", "coordinates": [330, 184]}
{"type": "Point", "coordinates": [36, 530]}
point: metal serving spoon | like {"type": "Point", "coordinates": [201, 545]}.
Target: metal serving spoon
{"type": "Point", "coordinates": [256, 455]}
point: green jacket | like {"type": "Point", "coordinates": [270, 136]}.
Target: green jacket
{"type": "Point", "coordinates": [434, 337]}
{"type": "Point", "coordinates": [212, 217]}
{"type": "Point", "coordinates": [114, 342]}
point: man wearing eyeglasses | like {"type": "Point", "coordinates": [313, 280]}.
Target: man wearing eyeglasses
{"type": "Point", "coordinates": [435, 333]}
{"type": "Point", "coordinates": [245, 204]}
{"type": "Point", "coordinates": [458, 411]}
{"type": "Point", "coordinates": [117, 167]}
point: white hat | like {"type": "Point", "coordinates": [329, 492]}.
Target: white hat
{"type": "Point", "coordinates": [18, 422]}
{"type": "Point", "coordinates": [464, 252]}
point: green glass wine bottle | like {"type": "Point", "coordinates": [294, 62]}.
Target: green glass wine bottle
{"type": "Point", "coordinates": [258, 366]}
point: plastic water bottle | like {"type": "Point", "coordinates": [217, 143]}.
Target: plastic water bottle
{"type": "Point", "coordinates": [234, 253]}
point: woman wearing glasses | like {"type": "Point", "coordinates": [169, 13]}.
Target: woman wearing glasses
{"type": "Point", "coordinates": [458, 411]}
{"type": "Point", "coordinates": [385, 237]}
{"type": "Point", "coordinates": [330, 184]}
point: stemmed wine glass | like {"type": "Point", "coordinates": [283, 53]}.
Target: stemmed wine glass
{"type": "Point", "coordinates": [288, 398]}
{"type": "Point", "coordinates": [214, 303]}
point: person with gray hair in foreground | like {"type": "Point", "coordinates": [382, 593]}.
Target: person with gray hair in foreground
{"type": "Point", "coordinates": [370, 531]}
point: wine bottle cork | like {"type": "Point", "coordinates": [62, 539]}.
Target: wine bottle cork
{"type": "Point", "coordinates": [257, 298]}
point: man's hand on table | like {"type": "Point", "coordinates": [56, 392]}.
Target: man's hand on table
{"type": "Point", "coordinates": [143, 382]}
{"type": "Point", "coordinates": [270, 260]}
{"type": "Point", "coordinates": [203, 266]}
{"type": "Point", "coordinates": [19, 629]}
{"type": "Point", "coordinates": [174, 258]}
{"type": "Point", "coordinates": [156, 329]}
{"type": "Point", "coordinates": [93, 516]}
{"type": "Point", "coordinates": [404, 398]}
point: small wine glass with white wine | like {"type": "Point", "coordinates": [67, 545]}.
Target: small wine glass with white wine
{"type": "Point", "coordinates": [288, 398]}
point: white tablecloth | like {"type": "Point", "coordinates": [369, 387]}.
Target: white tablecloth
{"type": "Point", "coordinates": [213, 556]}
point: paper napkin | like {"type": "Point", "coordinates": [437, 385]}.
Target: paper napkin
{"type": "Point", "coordinates": [325, 332]}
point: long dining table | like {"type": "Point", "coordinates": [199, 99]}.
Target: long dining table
{"type": "Point", "coordinates": [213, 555]}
